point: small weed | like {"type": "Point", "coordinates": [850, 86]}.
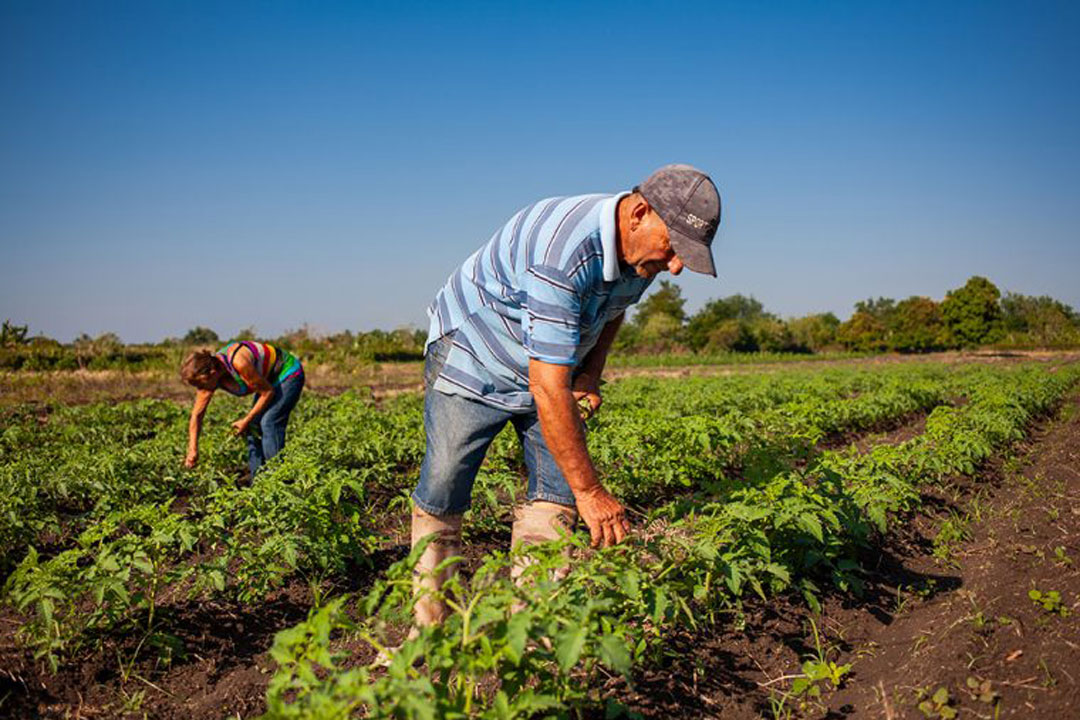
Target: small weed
{"type": "Point", "coordinates": [1033, 550]}
{"type": "Point", "coordinates": [1049, 601]}
{"type": "Point", "coordinates": [901, 600]}
{"type": "Point", "coordinates": [778, 709]}
{"type": "Point", "coordinates": [952, 532]}
{"type": "Point", "coordinates": [978, 619]}
{"type": "Point", "coordinates": [818, 672]}
{"type": "Point", "coordinates": [927, 589]}
{"type": "Point", "coordinates": [937, 705]}
{"type": "Point", "coordinates": [1061, 557]}
{"type": "Point", "coordinates": [982, 691]}
{"type": "Point", "coordinates": [1049, 680]}
{"type": "Point", "coordinates": [919, 642]}
{"type": "Point", "coordinates": [131, 702]}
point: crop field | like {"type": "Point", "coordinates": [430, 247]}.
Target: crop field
{"type": "Point", "coordinates": [778, 515]}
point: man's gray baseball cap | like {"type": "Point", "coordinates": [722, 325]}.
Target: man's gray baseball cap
{"type": "Point", "coordinates": [687, 201]}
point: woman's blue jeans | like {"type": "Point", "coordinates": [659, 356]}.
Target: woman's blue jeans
{"type": "Point", "coordinates": [272, 422]}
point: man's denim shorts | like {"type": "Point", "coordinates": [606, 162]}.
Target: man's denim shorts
{"type": "Point", "coordinates": [459, 431]}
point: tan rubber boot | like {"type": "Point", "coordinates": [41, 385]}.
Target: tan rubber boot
{"type": "Point", "coordinates": [429, 609]}
{"type": "Point", "coordinates": [538, 522]}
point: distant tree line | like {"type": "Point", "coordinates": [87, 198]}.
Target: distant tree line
{"type": "Point", "coordinates": [975, 315]}
{"type": "Point", "coordinates": [344, 350]}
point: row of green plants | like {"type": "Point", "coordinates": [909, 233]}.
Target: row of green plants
{"type": "Point", "coordinates": [512, 650]}
{"type": "Point", "coordinates": [105, 533]}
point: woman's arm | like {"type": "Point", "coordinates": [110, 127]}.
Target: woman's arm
{"type": "Point", "coordinates": [244, 362]}
{"type": "Point", "coordinates": [198, 410]}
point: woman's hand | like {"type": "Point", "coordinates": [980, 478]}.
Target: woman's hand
{"type": "Point", "coordinates": [240, 426]}
{"type": "Point", "coordinates": [192, 459]}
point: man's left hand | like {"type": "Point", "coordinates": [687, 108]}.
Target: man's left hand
{"type": "Point", "coordinates": [240, 426]}
{"type": "Point", "coordinates": [587, 387]}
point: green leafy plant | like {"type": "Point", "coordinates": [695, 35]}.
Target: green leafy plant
{"type": "Point", "coordinates": [938, 705]}
{"type": "Point", "coordinates": [1049, 601]}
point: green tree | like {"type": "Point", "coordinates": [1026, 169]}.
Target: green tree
{"type": "Point", "coordinates": [700, 328]}
{"type": "Point", "coordinates": [11, 334]}
{"type": "Point", "coordinates": [881, 309]}
{"type": "Point", "coordinates": [658, 320]}
{"type": "Point", "coordinates": [661, 333]}
{"type": "Point", "coordinates": [731, 336]}
{"type": "Point", "coordinates": [666, 300]}
{"type": "Point", "coordinates": [814, 332]}
{"type": "Point", "coordinates": [917, 325]}
{"type": "Point", "coordinates": [200, 335]}
{"type": "Point", "coordinates": [247, 333]}
{"type": "Point", "coordinates": [862, 332]}
{"type": "Point", "coordinates": [972, 313]}
{"type": "Point", "coordinates": [1040, 321]}
{"type": "Point", "coordinates": [771, 335]}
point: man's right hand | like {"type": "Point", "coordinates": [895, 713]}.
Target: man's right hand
{"type": "Point", "coordinates": [191, 460]}
{"type": "Point", "coordinates": [604, 515]}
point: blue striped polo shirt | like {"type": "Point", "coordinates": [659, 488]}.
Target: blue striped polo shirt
{"type": "Point", "coordinates": [543, 287]}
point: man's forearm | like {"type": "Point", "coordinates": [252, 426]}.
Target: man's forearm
{"type": "Point", "coordinates": [560, 424]}
{"type": "Point", "coordinates": [564, 434]}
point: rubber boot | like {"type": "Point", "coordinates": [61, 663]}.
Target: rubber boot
{"type": "Point", "coordinates": [429, 608]}
{"type": "Point", "coordinates": [537, 522]}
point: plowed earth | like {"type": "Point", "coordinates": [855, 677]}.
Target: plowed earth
{"type": "Point", "coordinates": [933, 615]}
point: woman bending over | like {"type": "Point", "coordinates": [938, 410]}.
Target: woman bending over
{"type": "Point", "coordinates": [241, 368]}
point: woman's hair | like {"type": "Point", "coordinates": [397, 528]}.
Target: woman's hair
{"type": "Point", "coordinates": [198, 363]}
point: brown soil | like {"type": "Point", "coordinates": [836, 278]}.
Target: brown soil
{"type": "Point", "coordinates": [892, 433]}
{"type": "Point", "coordinates": [924, 622]}
{"type": "Point", "coordinates": [988, 628]}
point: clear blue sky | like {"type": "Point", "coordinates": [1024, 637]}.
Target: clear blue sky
{"type": "Point", "coordinates": [167, 164]}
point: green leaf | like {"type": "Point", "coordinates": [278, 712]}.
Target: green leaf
{"type": "Point", "coordinates": [502, 706]}
{"type": "Point", "coordinates": [143, 564]}
{"type": "Point", "coordinates": [812, 525]}
{"type": "Point", "coordinates": [569, 647]}
{"type": "Point", "coordinates": [780, 572]}
{"type": "Point", "coordinates": [218, 579]}
{"type": "Point", "coordinates": [614, 654]}
{"type": "Point", "coordinates": [517, 633]}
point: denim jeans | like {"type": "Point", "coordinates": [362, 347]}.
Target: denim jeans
{"type": "Point", "coordinates": [272, 421]}
{"type": "Point", "coordinates": [459, 431]}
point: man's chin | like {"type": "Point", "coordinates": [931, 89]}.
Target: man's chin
{"type": "Point", "coordinates": [643, 272]}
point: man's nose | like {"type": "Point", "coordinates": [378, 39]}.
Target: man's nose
{"type": "Point", "coordinates": [674, 265]}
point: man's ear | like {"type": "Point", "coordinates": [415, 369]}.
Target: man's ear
{"type": "Point", "coordinates": [638, 212]}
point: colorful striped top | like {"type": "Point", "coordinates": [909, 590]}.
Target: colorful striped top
{"type": "Point", "coordinates": [273, 363]}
